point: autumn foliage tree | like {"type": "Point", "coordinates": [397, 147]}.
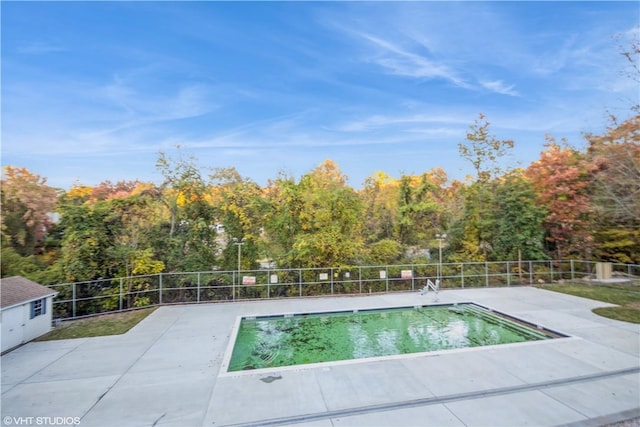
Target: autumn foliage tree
{"type": "Point", "coordinates": [562, 178]}
{"type": "Point", "coordinates": [615, 196]}
{"type": "Point", "coordinates": [27, 205]}
{"type": "Point", "coordinates": [616, 162]}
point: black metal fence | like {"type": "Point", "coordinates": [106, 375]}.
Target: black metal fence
{"type": "Point", "coordinates": [81, 299]}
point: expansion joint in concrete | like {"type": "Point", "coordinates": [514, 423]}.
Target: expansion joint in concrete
{"type": "Point", "coordinates": [306, 418]}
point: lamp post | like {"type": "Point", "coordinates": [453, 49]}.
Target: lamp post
{"type": "Point", "coordinates": [526, 244]}
{"type": "Point", "coordinates": [440, 238]}
{"type": "Point", "coordinates": [239, 244]}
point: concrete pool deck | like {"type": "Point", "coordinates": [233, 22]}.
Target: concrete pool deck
{"type": "Point", "coordinates": [166, 372]}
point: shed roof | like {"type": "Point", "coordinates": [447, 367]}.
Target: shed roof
{"type": "Point", "coordinates": [18, 290]}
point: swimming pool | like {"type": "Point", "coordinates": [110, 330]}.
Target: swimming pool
{"type": "Point", "coordinates": [299, 339]}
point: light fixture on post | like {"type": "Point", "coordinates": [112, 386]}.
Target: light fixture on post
{"type": "Point", "coordinates": [440, 238]}
{"type": "Point", "coordinates": [238, 243]}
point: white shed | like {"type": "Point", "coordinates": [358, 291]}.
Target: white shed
{"type": "Point", "coordinates": [25, 310]}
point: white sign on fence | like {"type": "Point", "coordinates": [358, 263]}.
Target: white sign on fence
{"type": "Point", "coordinates": [383, 274]}
{"type": "Point", "coordinates": [274, 278]}
{"type": "Point", "coordinates": [406, 274]}
{"type": "Point", "coordinates": [248, 280]}
{"type": "Point", "coordinates": [324, 276]}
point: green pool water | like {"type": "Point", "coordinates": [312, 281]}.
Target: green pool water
{"type": "Point", "coordinates": [275, 341]}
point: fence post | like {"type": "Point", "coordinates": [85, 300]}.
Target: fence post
{"type": "Point", "coordinates": [531, 272]}
{"type": "Point", "coordinates": [550, 271]}
{"type": "Point", "coordinates": [198, 290]}
{"type": "Point", "coordinates": [300, 281]}
{"type": "Point", "coordinates": [462, 274]}
{"type": "Point", "coordinates": [73, 303]}
{"type": "Point", "coordinates": [508, 275]}
{"type": "Point", "coordinates": [331, 272]}
{"type": "Point", "coordinates": [413, 277]}
{"type": "Point", "coordinates": [121, 296]}
{"type": "Point", "coordinates": [360, 279]}
{"type": "Point", "coordinates": [387, 278]}
{"type": "Point", "coordinates": [486, 274]}
{"type": "Point", "coordinates": [160, 288]}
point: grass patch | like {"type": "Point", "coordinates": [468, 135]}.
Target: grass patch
{"type": "Point", "coordinates": [627, 296]}
{"type": "Point", "coordinates": [98, 326]}
{"type": "Point", "coordinates": [628, 314]}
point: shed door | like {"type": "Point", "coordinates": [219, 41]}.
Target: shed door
{"type": "Point", "coordinates": [12, 327]}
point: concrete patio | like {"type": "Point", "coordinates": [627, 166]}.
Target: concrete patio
{"type": "Point", "coordinates": [167, 372]}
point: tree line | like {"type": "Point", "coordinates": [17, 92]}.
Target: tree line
{"type": "Point", "coordinates": [570, 203]}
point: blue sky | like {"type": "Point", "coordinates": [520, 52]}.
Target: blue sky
{"type": "Point", "coordinates": [93, 91]}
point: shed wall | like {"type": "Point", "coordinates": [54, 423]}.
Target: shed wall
{"type": "Point", "coordinates": [18, 328]}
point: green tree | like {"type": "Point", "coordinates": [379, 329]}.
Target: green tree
{"type": "Point", "coordinates": [14, 264]}
{"type": "Point", "coordinates": [330, 219]}
{"type": "Point", "coordinates": [189, 244]}
{"type": "Point", "coordinates": [383, 252]}
{"type": "Point", "coordinates": [475, 232]}
{"type": "Point", "coordinates": [143, 263]}
{"type": "Point", "coordinates": [519, 220]}
{"type": "Point", "coordinates": [100, 236]}
{"type": "Point", "coordinates": [89, 236]}
{"type": "Point", "coordinates": [283, 219]}
{"type": "Point", "coordinates": [380, 199]}
{"type": "Point", "coordinates": [483, 150]}
{"type": "Point", "coordinates": [420, 214]}
{"type": "Point", "coordinates": [241, 209]}
{"type": "Point", "coordinates": [137, 282]}
{"type": "Point", "coordinates": [472, 234]}
{"type": "Point", "coordinates": [137, 216]}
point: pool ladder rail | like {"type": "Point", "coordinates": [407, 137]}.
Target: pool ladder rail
{"type": "Point", "coordinates": [435, 287]}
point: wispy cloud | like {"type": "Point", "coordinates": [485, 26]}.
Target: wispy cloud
{"type": "Point", "coordinates": [300, 132]}
{"type": "Point", "coordinates": [403, 62]}
{"type": "Point", "coordinates": [133, 96]}
{"type": "Point", "coordinates": [300, 140]}
{"type": "Point", "coordinates": [380, 121]}
{"type": "Point", "coordinates": [498, 86]}
{"type": "Point", "coordinates": [39, 48]}
{"type": "Point", "coordinates": [96, 119]}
